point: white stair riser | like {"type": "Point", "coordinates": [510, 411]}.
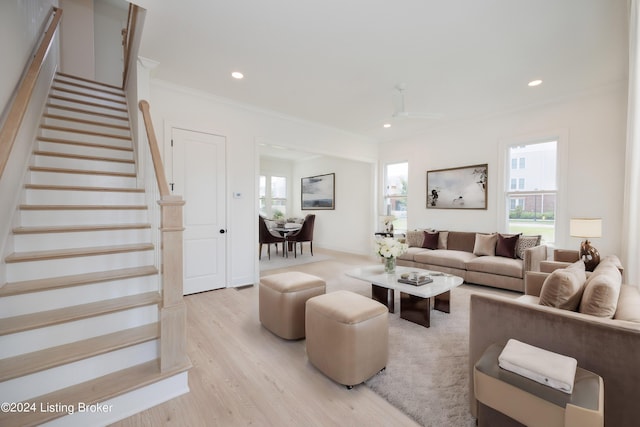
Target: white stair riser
{"type": "Point", "coordinates": [97, 109]}
{"type": "Point", "coordinates": [75, 295]}
{"type": "Point", "coordinates": [79, 239]}
{"type": "Point", "coordinates": [87, 98]}
{"type": "Point", "coordinates": [65, 333]}
{"type": "Point", "coordinates": [32, 270]}
{"type": "Point", "coordinates": [98, 91]}
{"type": "Point", "coordinates": [29, 386]}
{"type": "Point", "coordinates": [124, 121]}
{"type": "Point", "coordinates": [98, 217]}
{"type": "Point", "coordinates": [84, 150]}
{"type": "Point", "coordinates": [80, 137]}
{"type": "Point", "coordinates": [68, 197]}
{"type": "Point", "coordinates": [85, 164]}
{"type": "Point", "coordinates": [57, 178]}
{"type": "Point", "coordinates": [72, 79]}
{"type": "Point", "coordinates": [86, 126]}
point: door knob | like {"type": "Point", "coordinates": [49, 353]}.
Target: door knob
{"type": "Point", "coordinates": [222, 231]}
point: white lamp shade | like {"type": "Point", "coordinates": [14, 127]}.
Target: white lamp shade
{"type": "Point", "coordinates": [585, 227]}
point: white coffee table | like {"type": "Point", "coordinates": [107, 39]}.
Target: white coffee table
{"type": "Point", "coordinates": [415, 301]}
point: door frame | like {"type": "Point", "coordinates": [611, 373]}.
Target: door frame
{"type": "Point", "coordinates": [166, 149]}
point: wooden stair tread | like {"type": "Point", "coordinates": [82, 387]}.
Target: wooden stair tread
{"type": "Point", "coordinates": [92, 113]}
{"type": "Point", "coordinates": [81, 207]}
{"type": "Point", "coordinates": [84, 132]}
{"type": "Point", "coordinates": [84, 121]}
{"type": "Point", "coordinates": [88, 95]}
{"type": "Point", "coordinates": [29, 286]}
{"type": "Point", "coordinates": [90, 104]}
{"type": "Point", "coordinates": [82, 188]}
{"type": "Point", "coordinates": [76, 252]}
{"type": "Point", "coordinates": [79, 228]}
{"type": "Point", "coordinates": [118, 92]}
{"type": "Point", "coordinates": [98, 390]}
{"type": "Point", "coordinates": [29, 363]}
{"type": "Point", "coordinates": [71, 76]}
{"type": "Point", "coordinates": [81, 171]}
{"type": "Point", "coordinates": [25, 322]}
{"type": "Point", "coordinates": [82, 143]}
{"type": "Point", "coordinates": [82, 157]}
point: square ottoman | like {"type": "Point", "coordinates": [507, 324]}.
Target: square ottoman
{"type": "Point", "coordinates": [282, 299]}
{"type": "Point", "coordinates": [347, 336]}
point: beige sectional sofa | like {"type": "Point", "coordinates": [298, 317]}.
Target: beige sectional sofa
{"type": "Point", "coordinates": [606, 342]}
{"type": "Point", "coordinates": [476, 257]}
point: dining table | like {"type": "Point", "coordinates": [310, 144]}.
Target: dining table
{"type": "Point", "coordinates": [284, 232]}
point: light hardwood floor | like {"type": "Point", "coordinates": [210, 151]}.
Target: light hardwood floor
{"type": "Point", "coordinates": [244, 375]}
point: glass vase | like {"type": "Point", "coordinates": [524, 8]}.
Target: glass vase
{"type": "Point", "coordinates": [390, 265]}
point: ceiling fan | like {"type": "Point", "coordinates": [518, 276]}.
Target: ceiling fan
{"type": "Point", "coordinates": [401, 113]}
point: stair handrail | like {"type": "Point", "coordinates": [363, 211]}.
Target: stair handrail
{"type": "Point", "coordinates": [161, 177]}
{"type": "Point", "coordinates": [127, 40]}
{"type": "Point", "coordinates": [173, 342]}
{"type": "Point", "coordinates": [20, 102]}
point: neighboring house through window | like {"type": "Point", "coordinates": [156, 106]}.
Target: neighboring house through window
{"type": "Point", "coordinates": [396, 176]}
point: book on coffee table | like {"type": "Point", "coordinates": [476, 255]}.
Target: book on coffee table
{"type": "Point", "coordinates": [416, 281]}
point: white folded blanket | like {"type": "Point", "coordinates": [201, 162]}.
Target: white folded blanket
{"type": "Point", "coordinates": [548, 368]}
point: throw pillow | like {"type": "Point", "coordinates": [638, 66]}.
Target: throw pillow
{"type": "Point", "coordinates": [563, 288]}
{"type": "Point", "coordinates": [601, 292]}
{"type": "Point", "coordinates": [485, 244]}
{"type": "Point", "coordinates": [506, 245]}
{"type": "Point", "coordinates": [430, 240]}
{"type": "Point", "coordinates": [415, 238]}
{"type": "Point", "coordinates": [442, 239]}
{"type": "Point", "coordinates": [526, 242]}
{"type": "Point", "coordinates": [628, 304]}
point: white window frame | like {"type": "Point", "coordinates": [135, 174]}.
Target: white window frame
{"type": "Point", "coordinates": [385, 197]}
{"type": "Point", "coordinates": [268, 199]}
{"type": "Point", "coordinates": [562, 158]}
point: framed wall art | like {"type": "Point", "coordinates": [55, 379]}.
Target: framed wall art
{"type": "Point", "coordinates": [318, 192]}
{"type": "Point", "coordinates": [457, 188]}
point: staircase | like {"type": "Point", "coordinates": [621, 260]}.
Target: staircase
{"type": "Point", "coordinates": [79, 312]}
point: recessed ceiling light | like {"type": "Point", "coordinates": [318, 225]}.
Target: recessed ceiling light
{"type": "Point", "coordinates": [237, 75]}
{"type": "Point", "coordinates": [533, 83]}
{"type": "Point", "coordinates": [386, 125]}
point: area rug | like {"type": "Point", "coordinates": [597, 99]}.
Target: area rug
{"type": "Point", "coordinates": [427, 376]}
{"type": "Point", "coordinates": [278, 261]}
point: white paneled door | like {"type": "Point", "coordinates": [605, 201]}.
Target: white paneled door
{"type": "Point", "coordinates": [197, 170]}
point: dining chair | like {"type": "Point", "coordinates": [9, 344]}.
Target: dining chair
{"type": "Point", "coordinates": [267, 237]}
{"type": "Point", "coordinates": [305, 234]}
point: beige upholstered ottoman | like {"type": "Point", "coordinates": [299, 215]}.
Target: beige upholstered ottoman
{"type": "Point", "coordinates": [282, 298]}
{"type": "Point", "coordinates": [347, 336]}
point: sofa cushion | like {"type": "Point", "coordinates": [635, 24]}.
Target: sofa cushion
{"type": "Point", "coordinates": [444, 258]}
{"type": "Point", "coordinates": [601, 291]}
{"type": "Point", "coordinates": [411, 252]}
{"type": "Point", "coordinates": [506, 245]}
{"type": "Point", "coordinates": [526, 242]}
{"type": "Point", "coordinates": [485, 244]}
{"type": "Point", "coordinates": [496, 265]}
{"type": "Point", "coordinates": [414, 238]}
{"type": "Point", "coordinates": [430, 240]}
{"type": "Point", "coordinates": [563, 287]}
{"type": "Point", "coordinates": [628, 304]}
{"type": "Point", "coordinates": [461, 241]}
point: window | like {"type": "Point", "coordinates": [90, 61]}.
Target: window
{"type": "Point", "coordinates": [273, 196]}
{"type": "Point", "coordinates": [395, 193]}
{"type": "Point", "coordinates": [514, 163]}
{"type": "Point", "coordinates": [532, 206]}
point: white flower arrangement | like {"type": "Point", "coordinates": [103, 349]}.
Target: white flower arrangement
{"type": "Point", "coordinates": [388, 247]}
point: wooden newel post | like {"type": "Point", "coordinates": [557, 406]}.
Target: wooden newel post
{"type": "Point", "coordinates": [173, 313]}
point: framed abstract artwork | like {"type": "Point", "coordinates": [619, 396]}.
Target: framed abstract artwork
{"type": "Point", "coordinates": [458, 188]}
{"type": "Point", "coordinates": [318, 192]}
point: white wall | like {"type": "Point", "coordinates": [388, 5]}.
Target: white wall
{"type": "Point", "coordinates": [244, 127]}
{"type": "Point", "coordinates": [350, 226]}
{"type": "Point", "coordinates": [594, 126]}
{"type": "Point", "coordinates": [21, 22]}
{"type": "Point", "coordinates": [108, 22]}
{"type": "Point", "coordinates": [77, 38]}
